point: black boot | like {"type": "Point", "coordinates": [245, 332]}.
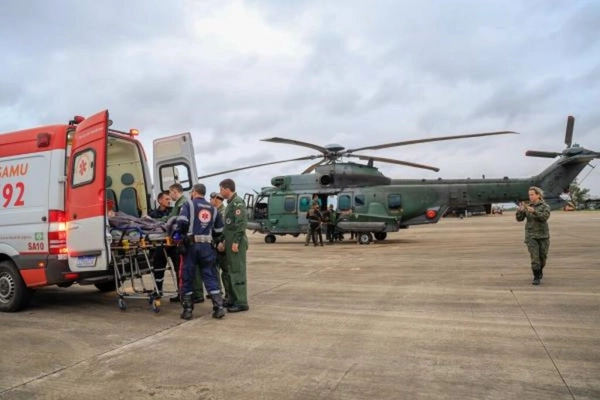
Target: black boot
{"type": "Point", "coordinates": [218, 310]}
{"type": "Point", "coordinates": [188, 307]}
{"type": "Point", "coordinates": [536, 277]}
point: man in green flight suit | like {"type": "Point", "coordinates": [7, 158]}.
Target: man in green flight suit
{"type": "Point", "coordinates": [537, 235]}
{"type": "Point", "coordinates": [235, 245]}
{"type": "Point", "coordinates": [176, 193]}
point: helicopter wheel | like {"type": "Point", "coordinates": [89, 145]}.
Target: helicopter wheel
{"type": "Point", "coordinates": [270, 239]}
{"type": "Point", "coordinates": [380, 235]}
{"type": "Point", "coordinates": [365, 238]}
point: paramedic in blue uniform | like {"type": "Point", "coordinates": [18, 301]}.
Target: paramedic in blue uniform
{"type": "Point", "coordinates": [202, 226]}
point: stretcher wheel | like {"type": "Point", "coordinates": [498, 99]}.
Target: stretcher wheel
{"type": "Point", "coordinates": [156, 305]}
{"type": "Point", "coordinates": [122, 305]}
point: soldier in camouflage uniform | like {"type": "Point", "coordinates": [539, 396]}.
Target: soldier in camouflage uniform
{"type": "Point", "coordinates": [235, 245]}
{"type": "Point", "coordinates": [537, 235]}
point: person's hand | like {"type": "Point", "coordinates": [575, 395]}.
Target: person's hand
{"type": "Point", "coordinates": [521, 206]}
{"type": "Point", "coordinates": [235, 247]}
{"type": "Point", "coordinates": [221, 247]}
{"type": "Point", "coordinates": [530, 209]}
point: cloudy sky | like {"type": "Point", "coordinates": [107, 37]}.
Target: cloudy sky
{"type": "Point", "coordinates": [356, 73]}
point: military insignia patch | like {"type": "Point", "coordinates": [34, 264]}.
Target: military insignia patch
{"type": "Point", "coordinates": [228, 221]}
{"type": "Point", "coordinates": [238, 212]}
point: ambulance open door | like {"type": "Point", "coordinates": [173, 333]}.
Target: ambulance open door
{"type": "Point", "coordinates": [174, 162]}
{"type": "Point", "coordinates": [86, 197]}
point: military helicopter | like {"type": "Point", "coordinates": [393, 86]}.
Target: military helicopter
{"type": "Point", "coordinates": [372, 204]}
{"type": "Point", "coordinates": [368, 202]}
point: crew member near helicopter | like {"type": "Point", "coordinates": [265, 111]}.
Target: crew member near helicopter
{"type": "Point", "coordinates": [315, 218]}
{"type": "Point", "coordinates": [203, 226]}
{"type": "Point", "coordinates": [537, 235]}
{"type": "Point", "coordinates": [235, 245]}
{"type": "Point", "coordinates": [217, 200]}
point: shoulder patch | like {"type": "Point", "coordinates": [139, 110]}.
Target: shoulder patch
{"type": "Point", "coordinates": [238, 211]}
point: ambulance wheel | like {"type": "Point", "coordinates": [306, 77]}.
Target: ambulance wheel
{"type": "Point", "coordinates": [270, 239]}
{"type": "Point", "coordinates": [380, 235]}
{"type": "Point", "coordinates": [14, 294]}
{"type": "Point", "coordinates": [122, 305]}
{"type": "Point", "coordinates": [105, 286]}
{"type": "Point", "coordinates": [365, 238]}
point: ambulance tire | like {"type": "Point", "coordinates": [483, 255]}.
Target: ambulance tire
{"type": "Point", "coordinates": [105, 287]}
{"type": "Point", "coordinates": [14, 294]}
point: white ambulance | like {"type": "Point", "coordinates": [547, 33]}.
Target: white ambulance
{"type": "Point", "coordinates": [56, 185]}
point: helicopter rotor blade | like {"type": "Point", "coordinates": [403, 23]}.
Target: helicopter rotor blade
{"type": "Point", "coordinates": [312, 167]}
{"type": "Point", "coordinates": [296, 143]}
{"type": "Point", "coordinates": [392, 161]}
{"type": "Point", "coordinates": [545, 154]}
{"type": "Point", "coordinates": [569, 131]}
{"type": "Point", "coordinates": [258, 165]}
{"type": "Point", "coordinates": [434, 139]}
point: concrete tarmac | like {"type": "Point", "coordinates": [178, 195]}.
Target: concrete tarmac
{"type": "Point", "coordinates": [434, 312]}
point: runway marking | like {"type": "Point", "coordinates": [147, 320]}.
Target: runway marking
{"type": "Point", "coordinates": [543, 344]}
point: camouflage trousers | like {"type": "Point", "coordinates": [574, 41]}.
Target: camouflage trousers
{"type": "Point", "coordinates": [538, 252]}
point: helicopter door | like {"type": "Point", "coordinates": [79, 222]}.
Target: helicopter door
{"type": "Point", "coordinates": [174, 162]}
{"type": "Point", "coordinates": [249, 200]}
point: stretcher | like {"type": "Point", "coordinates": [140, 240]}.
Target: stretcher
{"type": "Point", "coordinates": [132, 255]}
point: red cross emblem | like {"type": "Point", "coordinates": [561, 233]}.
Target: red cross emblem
{"type": "Point", "coordinates": [82, 167]}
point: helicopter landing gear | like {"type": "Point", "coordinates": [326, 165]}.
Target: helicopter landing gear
{"type": "Point", "coordinates": [365, 238]}
{"type": "Point", "coordinates": [380, 235]}
{"type": "Point", "coordinates": [270, 239]}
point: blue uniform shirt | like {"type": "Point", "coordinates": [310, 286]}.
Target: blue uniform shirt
{"type": "Point", "coordinates": [204, 220]}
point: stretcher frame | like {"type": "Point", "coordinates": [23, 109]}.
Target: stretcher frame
{"type": "Point", "coordinates": [131, 248]}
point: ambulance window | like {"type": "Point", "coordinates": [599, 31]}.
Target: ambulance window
{"type": "Point", "coordinates": [175, 173]}
{"type": "Point", "coordinates": [83, 168]}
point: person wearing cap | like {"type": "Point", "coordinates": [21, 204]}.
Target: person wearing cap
{"type": "Point", "coordinates": [217, 201]}
{"type": "Point", "coordinates": [315, 218]}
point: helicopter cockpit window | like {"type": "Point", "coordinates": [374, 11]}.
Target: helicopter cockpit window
{"type": "Point", "coordinates": [304, 204]}
{"type": "Point", "coordinates": [344, 202]}
{"type": "Point", "coordinates": [175, 173]}
{"type": "Point", "coordinates": [359, 200]}
{"type": "Point", "coordinates": [394, 201]}
{"type": "Point", "coordinates": [289, 204]}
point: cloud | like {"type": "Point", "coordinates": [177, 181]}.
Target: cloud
{"type": "Point", "coordinates": [352, 72]}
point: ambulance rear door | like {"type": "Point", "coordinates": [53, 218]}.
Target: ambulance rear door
{"type": "Point", "coordinates": [85, 197]}
{"type": "Point", "coordinates": [174, 162]}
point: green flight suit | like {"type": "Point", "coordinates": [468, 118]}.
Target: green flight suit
{"type": "Point", "coordinates": [537, 234]}
{"type": "Point", "coordinates": [236, 220]}
{"type": "Point", "coordinates": [198, 283]}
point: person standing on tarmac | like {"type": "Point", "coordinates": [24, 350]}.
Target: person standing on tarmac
{"type": "Point", "coordinates": [203, 227]}
{"type": "Point", "coordinates": [537, 234]}
{"type": "Point", "coordinates": [314, 217]}
{"type": "Point", "coordinates": [176, 193]}
{"type": "Point", "coordinates": [235, 245]}
{"type": "Point", "coordinates": [159, 258]}
{"type": "Point", "coordinates": [217, 200]}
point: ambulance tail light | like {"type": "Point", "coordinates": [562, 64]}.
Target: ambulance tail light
{"type": "Point", "coordinates": [57, 232]}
